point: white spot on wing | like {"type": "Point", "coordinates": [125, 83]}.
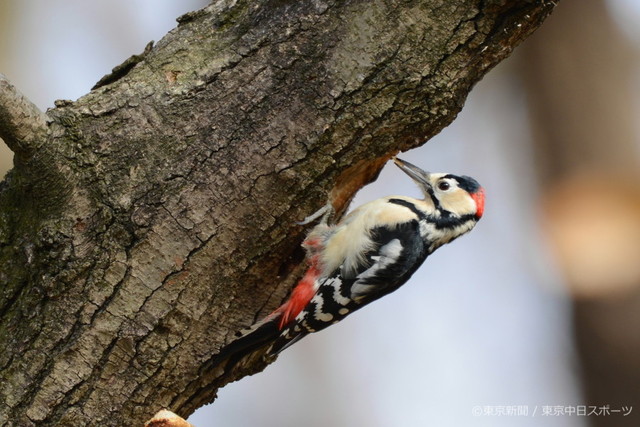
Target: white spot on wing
{"type": "Point", "coordinates": [318, 314]}
{"type": "Point", "coordinates": [388, 255]}
{"type": "Point", "coordinates": [337, 297]}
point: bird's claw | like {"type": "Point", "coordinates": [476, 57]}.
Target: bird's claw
{"type": "Point", "coordinates": [325, 212]}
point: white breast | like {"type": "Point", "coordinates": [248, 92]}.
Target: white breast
{"type": "Point", "coordinates": [351, 238]}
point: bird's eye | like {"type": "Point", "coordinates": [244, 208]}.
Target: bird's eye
{"type": "Point", "coordinates": [443, 186]}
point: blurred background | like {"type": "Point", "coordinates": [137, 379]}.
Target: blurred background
{"type": "Point", "coordinates": [531, 319]}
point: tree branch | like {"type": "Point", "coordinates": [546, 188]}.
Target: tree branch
{"type": "Point", "coordinates": [22, 125]}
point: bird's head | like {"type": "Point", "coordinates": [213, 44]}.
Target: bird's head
{"type": "Point", "coordinates": [460, 196]}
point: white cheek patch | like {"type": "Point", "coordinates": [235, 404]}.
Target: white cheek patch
{"type": "Point", "coordinates": [458, 202]}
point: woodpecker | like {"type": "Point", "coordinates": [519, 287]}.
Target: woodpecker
{"type": "Point", "coordinates": [370, 253]}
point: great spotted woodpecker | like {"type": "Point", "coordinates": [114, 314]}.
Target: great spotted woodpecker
{"type": "Point", "coordinates": [373, 251]}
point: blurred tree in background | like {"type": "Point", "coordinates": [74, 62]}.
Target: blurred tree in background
{"type": "Point", "coordinates": [579, 72]}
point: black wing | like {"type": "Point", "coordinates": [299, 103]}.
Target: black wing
{"type": "Point", "coordinates": [396, 254]}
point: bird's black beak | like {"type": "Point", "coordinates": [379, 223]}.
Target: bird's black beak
{"type": "Point", "coordinates": [418, 175]}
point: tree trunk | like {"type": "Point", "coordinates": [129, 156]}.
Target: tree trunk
{"type": "Point", "coordinates": [145, 223]}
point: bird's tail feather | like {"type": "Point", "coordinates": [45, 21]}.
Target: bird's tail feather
{"type": "Point", "coordinates": [260, 335]}
{"type": "Point", "coordinates": [283, 342]}
{"type": "Point", "coordinates": [265, 334]}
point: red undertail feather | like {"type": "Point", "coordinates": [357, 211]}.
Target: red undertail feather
{"type": "Point", "coordinates": [305, 289]}
{"type": "Point", "coordinates": [300, 297]}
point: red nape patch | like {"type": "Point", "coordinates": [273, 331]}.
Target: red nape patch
{"type": "Point", "coordinates": [300, 297]}
{"type": "Point", "coordinates": [478, 197]}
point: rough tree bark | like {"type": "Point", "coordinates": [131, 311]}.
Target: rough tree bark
{"type": "Point", "coordinates": [146, 222]}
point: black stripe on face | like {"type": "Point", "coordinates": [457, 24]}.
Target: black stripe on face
{"type": "Point", "coordinates": [451, 221]}
{"type": "Point", "coordinates": [411, 206]}
{"type": "Point", "coordinates": [434, 199]}
{"type": "Point", "coordinates": [445, 220]}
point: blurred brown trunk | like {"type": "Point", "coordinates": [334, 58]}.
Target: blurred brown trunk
{"type": "Point", "coordinates": [578, 71]}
